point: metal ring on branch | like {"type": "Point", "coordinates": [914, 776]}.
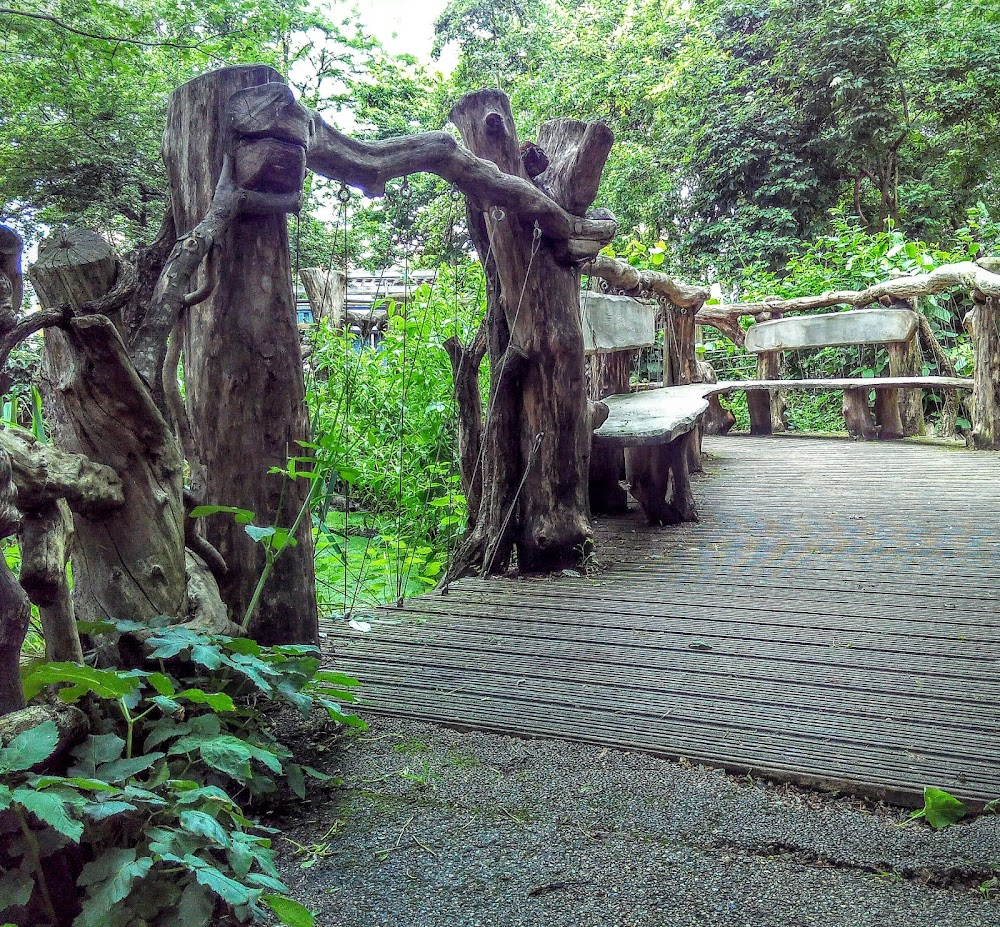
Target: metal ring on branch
{"type": "Point", "coordinates": [497, 214]}
{"type": "Point", "coordinates": [344, 194]}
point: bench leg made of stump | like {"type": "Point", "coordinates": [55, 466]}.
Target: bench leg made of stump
{"type": "Point", "coordinates": [659, 479]}
{"type": "Point", "coordinates": [607, 469]}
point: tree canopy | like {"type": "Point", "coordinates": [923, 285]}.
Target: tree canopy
{"type": "Point", "coordinates": [739, 124]}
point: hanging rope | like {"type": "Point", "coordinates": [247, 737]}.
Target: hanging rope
{"type": "Point", "coordinates": [491, 552]}
{"type": "Point", "coordinates": [536, 241]}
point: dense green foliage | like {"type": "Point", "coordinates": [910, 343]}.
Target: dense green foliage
{"type": "Point", "coordinates": [385, 429]}
{"type": "Point", "coordinates": [150, 806]}
{"type": "Point", "coordinates": [740, 123]}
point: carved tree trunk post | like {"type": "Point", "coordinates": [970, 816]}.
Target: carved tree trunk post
{"type": "Point", "coordinates": [858, 415]}
{"type": "Point", "coordinates": [540, 296]}
{"type": "Point", "coordinates": [905, 360]}
{"type": "Point", "coordinates": [327, 293]}
{"type": "Point", "coordinates": [986, 391]}
{"type": "Point", "coordinates": [609, 375]}
{"type": "Point", "coordinates": [242, 359]}
{"type": "Point", "coordinates": [129, 561]}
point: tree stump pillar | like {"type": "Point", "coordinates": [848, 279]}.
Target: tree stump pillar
{"type": "Point", "coordinates": [242, 357]}
{"type": "Point", "coordinates": [986, 388]}
{"type": "Point", "coordinates": [546, 436]}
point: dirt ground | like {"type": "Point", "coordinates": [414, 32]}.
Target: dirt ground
{"type": "Point", "coordinates": [426, 826]}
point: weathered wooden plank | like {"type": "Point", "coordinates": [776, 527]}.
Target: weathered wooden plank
{"type": "Point", "coordinates": [616, 323]}
{"type": "Point", "coordinates": [858, 326]}
{"type": "Point", "coordinates": [652, 417]}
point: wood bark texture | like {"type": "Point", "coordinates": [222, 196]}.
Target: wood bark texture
{"type": "Point", "coordinates": [465, 363]}
{"type": "Point", "coordinates": [858, 414]}
{"type": "Point", "coordinates": [539, 293]}
{"type": "Point", "coordinates": [905, 361]}
{"type": "Point", "coordinates": [243, 361]}
{"type": "Point", "coordinates": [327, 293]}
{"type": "Point", "coordinates": [608, 375]}
{"type": "Point", "coordinates": [46, 542]}
{"type": "Point", "coordinates": [15, 609]}
{"type": "Point", "coordinates": [986, 394]}
{"type": "Point", "coordinates": [966, 275]}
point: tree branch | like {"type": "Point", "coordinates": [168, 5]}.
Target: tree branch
{"type": "Point", "coordinates": [116, 39]}
{"type": "Point", "coordinates": [969, 276]}
{"type": "Point", "coordinates": [623, 276]}
{"type": "Point", "coordinates": [370, 165]}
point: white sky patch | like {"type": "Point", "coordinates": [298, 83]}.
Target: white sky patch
{"type": "Point", "coordinates": [407, 27]}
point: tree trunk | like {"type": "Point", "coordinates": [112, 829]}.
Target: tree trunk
{"type": "Point", "coordinates": [465, 363]}
{"type": "Point", "coordinates": [128, 562]}
{"type": "Point", "coordinates": [947, 427]}
{"type": "Point", "coordinates": [15, 609]}
{"type": "Point", "coordinates": [327, 293]}
{"type": "Point", "coordinates": [131, 562]}
{"type": "Point", "coordinates": [549, 437]}
{"type": "Point", "coordinates": [986, 391]}
{"type": "Point", "coordinates": [905, 360]}
{"type": "Point", "coordinates": [858, 415]}
{"type": "Point", "coordinates": [46, 539]}
{"type": "Point", "coordinates": [609, 375]}
{"type": "Point", "coordinates": [243, 363]}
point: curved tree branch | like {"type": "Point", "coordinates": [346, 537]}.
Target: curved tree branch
{"type": "Point", "coordinates": [966, 274]}
{"type": "Point", "coordinates": [625, 277]}
{"type": "Point", "coordinates": [370, 165]}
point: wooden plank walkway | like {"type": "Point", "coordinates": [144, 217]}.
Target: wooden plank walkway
{"type": "Point", "coordinates": [833, 621]}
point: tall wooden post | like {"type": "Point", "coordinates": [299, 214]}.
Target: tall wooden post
{"type": "Point", "coordinates": [986, 390]}
{"type": "Point", "coordinates": [543, 357]}
{"type": "Point", "coordinates": [242, 360]}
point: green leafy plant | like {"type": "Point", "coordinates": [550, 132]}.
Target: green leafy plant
{"type": "Point", "coordinates": [940, 810]}
{"type": "Point", "coordinates": [151, 804]}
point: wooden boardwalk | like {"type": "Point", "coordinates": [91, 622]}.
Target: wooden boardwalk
{"type": "Point", "coordinates": [834, 620]}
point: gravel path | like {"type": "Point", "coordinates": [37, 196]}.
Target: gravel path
{"type": "Point", "coordinates": [434, 828]}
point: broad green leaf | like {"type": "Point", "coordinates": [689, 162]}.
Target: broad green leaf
{"type": "Point", "coordinates": [227, 889]}
{"type": "Point", "coordinates": [196, 907]}
{"type": "Point", "coordinates": [289, 911]}
{"type": "Point", "coordinates": [80, 680]}
{"type": "Point", "coordinates": [241, 516]}
{"type": "Point", "coordinates": [50, 808]}
{"type": "Point", "coordinates": [120, 770]}
{"type": "Point", "coordinates": [98, 811]}
{"type": "Point", "coordinates": [96, 750]}
{"type": "Point", "coordinates": [259, 534]}
{"type": "Point", "coordinates": [104, 895]}
{"type": "Point", "coordinates": [162, 684]}
{"type": "Point", "coordinates": [15, 890]}
{"type": "Point", "coordinates": [941, 809]}
{"type": "Point", "coordinates": [217, 701]}
{"type": "Point", "coordinates": [296, 779]}
{"type": "Point", "coordinates": [204, 825]}
{"type": "Point", "coordinates": [29, 748]}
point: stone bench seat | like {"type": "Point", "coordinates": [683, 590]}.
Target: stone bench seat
{"type": "Point", "coordinates": [657, 429]}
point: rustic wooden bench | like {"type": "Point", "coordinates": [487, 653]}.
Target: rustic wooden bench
{"type": "Point", "coordinates": [894, 327]}
{"type": "Point", "coordinates": [650, 438]}
{"type": "Point", "coordinates": [657, 430]}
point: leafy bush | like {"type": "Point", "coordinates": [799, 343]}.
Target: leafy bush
{"type": "Point", "coordinates": [150, 806]}
{"type": "Point", "coordinates": [385, 439]}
